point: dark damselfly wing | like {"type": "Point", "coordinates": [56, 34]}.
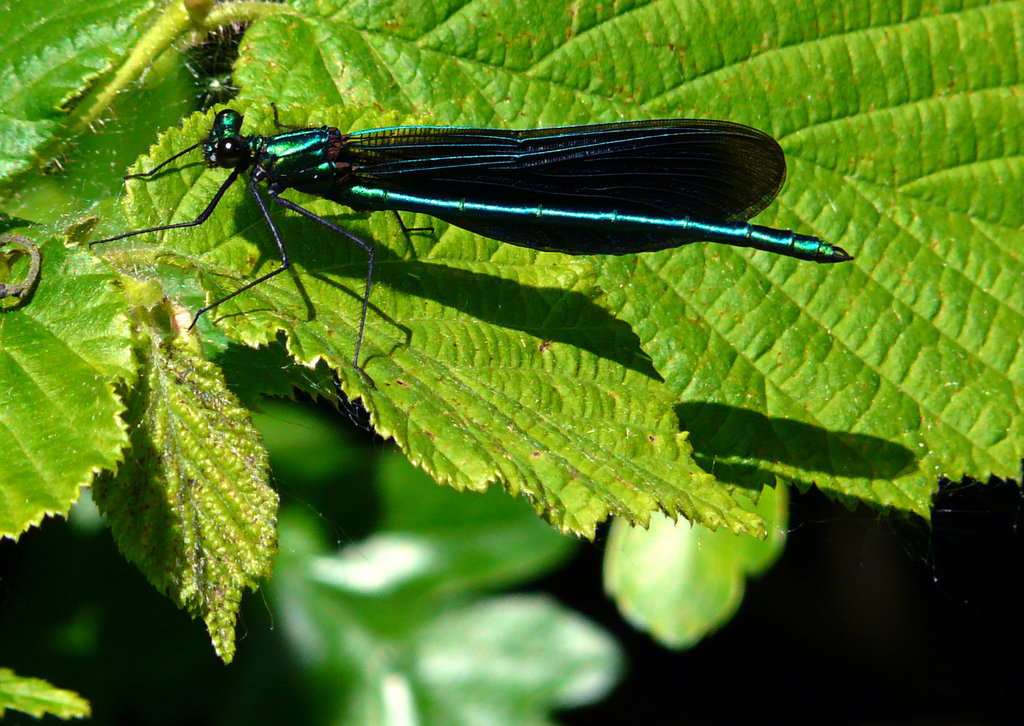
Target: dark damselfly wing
{"type": "Point", "coordinates": [703, 169]}
{"type": "Point", "coordinates": [699, 168]}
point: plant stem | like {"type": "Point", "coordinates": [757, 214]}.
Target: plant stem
{"type": "Point", "coordinates": [179, 17]}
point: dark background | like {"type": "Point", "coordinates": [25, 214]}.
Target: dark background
{"type": "Point", "coordinates": [867, 618]}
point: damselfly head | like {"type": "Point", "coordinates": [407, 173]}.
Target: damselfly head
{"type": "Point", "coordinates": [225, 146]}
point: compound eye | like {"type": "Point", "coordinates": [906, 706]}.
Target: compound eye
{"type": "Point", "coordinates": [229, 153]}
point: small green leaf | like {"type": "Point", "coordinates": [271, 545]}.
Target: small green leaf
{"type": "Point", "coordinates": [681, 582]}
{"type": "Point", "coordinates": [38, 698]}
{"type": "Point", "coordinates": [517, 656]}
{"type": "Point", "coordinates": [192, 507]}
{"type": "Point", "coordinates": [61, 356]}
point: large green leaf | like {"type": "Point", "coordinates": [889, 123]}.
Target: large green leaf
{"type": "Point", "coordinates": [870, 379]}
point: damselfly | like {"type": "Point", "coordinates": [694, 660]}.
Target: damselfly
{"type": "Point", "coordinates": [603, 189]}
